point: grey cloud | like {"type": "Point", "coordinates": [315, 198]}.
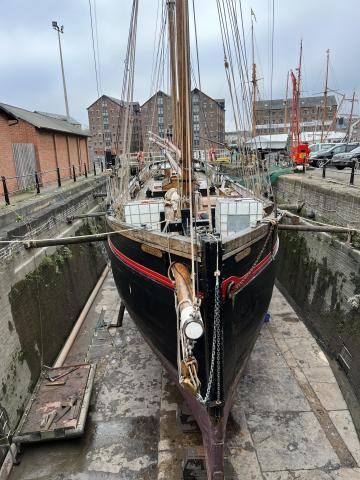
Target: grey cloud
{"type": "Point", "coordinates": [29, 59]}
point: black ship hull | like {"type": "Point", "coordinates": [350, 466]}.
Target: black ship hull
{"type": "Point", "coordinates": [246, 285]}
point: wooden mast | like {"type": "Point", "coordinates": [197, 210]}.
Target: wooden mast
{"type": "Point", "coordinates": [286, 105]}
{"type": "Point", "coordinates": [173, 76]}
{"type": "Point", "coordinates": [253, 78]}
{"type": "Point", "coordinates": [299, 87]}
{"type": "Point", "coordinates": [325, 95]}
{"type": "Point", "coordinates": [184, 91]}
{"type": "Point", "coordinates": [349, 132]}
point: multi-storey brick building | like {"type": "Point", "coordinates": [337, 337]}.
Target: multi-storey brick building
{"type": "Point", "coordinates": [106, 123]}
{"type": "Point", "coordinates": [271, 115]}
{"type": "Point", "coordinates": [208, 120]}
{"type": "Point", "coordinates": [31, 141]}
{"type": "Point", "coordinates": [156, 117]}
{"type": "Point", "coordinates": [208, 117]}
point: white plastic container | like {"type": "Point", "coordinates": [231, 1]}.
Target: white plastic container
{"type": "Point", "coordinates": [144, 213]}
{"type": "Point", "coordinates": [232, 215]}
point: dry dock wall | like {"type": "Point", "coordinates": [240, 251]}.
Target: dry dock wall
{"type": "Point", "coordinates": [334, 203]}
{"type": "Point", "coordinates": [42, 293]}
{"type": "Point", "coordinates": [321, 274]}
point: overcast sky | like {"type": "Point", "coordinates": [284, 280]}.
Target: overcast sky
{"type": "Point", "coordinates": [30, 75]}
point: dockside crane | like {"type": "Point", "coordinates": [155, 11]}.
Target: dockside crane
{"type": "Point", "coordinates": [299, 151]}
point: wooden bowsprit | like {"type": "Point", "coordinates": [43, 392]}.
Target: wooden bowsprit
{"type": "Point", "coordinates": [58, 406]}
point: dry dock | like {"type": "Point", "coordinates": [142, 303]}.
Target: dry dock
{"type": "Point", "coordinates": [290, 420]}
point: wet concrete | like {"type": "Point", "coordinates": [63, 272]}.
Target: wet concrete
{"type": "Point", "coordinates": [289, 421]}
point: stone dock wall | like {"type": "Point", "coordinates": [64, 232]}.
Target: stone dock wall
{"type": "Point", "coordinates": [42, 292]}
{"type": "Point", "coordinates": [321, 273]}
{"type": "Point", "coordinates": [334, 203]}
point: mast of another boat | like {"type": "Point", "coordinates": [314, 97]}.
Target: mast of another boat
{"type": "Point", "coordinates": [286, 130]}
{"type": "Point", "coordinates": [299, 89]}
{"type": "Point", "coordinates": [325, 95]}
{"type": "Point", "coordinates": [349, 129]}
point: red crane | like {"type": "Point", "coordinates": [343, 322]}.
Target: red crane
{"type": "Point", "coordinates": [299, 151]}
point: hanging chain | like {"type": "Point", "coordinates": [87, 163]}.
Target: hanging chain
{"type": "Point", "coordinates": [219, 338]}
{"type": "Point", "coordinates": [215, 350]}
{"type": "Point", "coordinates": [238, 287]}
{"type": "Point", "coordinates": [216, 341]}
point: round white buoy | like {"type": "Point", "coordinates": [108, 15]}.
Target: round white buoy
{"type": "Point", "coordinates": [191, 323]}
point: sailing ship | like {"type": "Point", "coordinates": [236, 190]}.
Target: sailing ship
{"type": "Point", "coordinates": [194, 264]}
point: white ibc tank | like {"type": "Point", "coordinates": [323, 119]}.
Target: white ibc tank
{"type": "Point", "coordinates": [235, 214]}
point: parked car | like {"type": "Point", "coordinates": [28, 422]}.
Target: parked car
{"type": "Point", "coordinates": [324, 156]}
{"type": "Point", "coordinates": [316, 147]}
{"type": "Point", "coordinates": [342, 160]}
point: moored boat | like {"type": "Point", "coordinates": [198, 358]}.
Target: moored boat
{"type": "Point", "coordinates": [194, 263]}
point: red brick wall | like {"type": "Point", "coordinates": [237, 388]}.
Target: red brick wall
{"type": "Point", "coordinates": [62, 154]}
{"type": "Point", "coordinates": [47, 156]}
{"type": "Point", "coordinates": [83, 153]}
{"type": "Point", "coordinates": [73, 149]}
{"type": "Point", "coordinates": [23, 132]}
{"type": "Point", "coordinates": [53, 154]}
{"type": "Point", "coordinates": [7, 166]}
{"type": "Point", "coordinates": [52, 150]}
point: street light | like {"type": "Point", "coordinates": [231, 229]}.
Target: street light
{"type": "Point", "coordinates": [61, 30]}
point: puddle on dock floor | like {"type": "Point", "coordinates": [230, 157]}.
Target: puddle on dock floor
{"type": "Point", "coordinates": [289, 421]}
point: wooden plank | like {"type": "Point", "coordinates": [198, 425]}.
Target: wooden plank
{"type": "Point", "coordinates": [58, 405]}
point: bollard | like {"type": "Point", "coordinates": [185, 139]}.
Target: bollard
{"type": "Point", "coordinates": [74, 175]}
{"type": "Point", "coordinates": [352, 175]}
{"type": "Point", "coordinates": [37, 183]}
{"type": "Point", "coordinates": [324, 171]}
{"type": "Point", "coordinates": [102, 166]}
{"type": "Point", "coordinates": [85, 170]}
{"type": "Point", "coordinates": [94, 169]}
{"type": "Point", "coordinates": [58, 177]}
{"type": "Point", "coordinates": [6, 191]}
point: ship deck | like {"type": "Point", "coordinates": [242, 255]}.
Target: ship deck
{"type": "Point", "coordinates": [290, 419]}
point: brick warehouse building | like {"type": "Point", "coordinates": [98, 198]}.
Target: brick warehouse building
{"type": "Point", "coordinates": [208, 117]}
{"type": "Point", "coordinates": [270, 115]}
{"type": "Point", "coordinates": [208, 120]}
{"type": "Point", "coordinates": [106, 116]}
{"type": "Point", "coordinates": [156, 116]}
{"type": "Point", "coordinates": [32, 141]}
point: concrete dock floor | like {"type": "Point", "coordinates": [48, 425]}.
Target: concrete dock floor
{"type": "Point", "coordinates": [290, 420]}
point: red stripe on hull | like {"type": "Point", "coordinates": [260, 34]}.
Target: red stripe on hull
{"type": "Point", "coordinates": [147, 272]}
{"type": "Point", "coordinates": [241, 282]}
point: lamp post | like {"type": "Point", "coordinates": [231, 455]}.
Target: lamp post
{"type": "Point", "coordinates": [61, 30]}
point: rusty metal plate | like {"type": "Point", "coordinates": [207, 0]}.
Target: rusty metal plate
{"type": "Point", "coordinates": [58, 407]}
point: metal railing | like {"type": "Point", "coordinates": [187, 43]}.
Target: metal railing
{"type": "Point", "coordinates": [36, 181]}
{"type": "Point", "coordinates": [353, 172]}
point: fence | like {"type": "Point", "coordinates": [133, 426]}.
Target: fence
{"type": "Point", "coordinates": [353, 172]}
{"type": "Point", "coordinates": [39, 179]}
